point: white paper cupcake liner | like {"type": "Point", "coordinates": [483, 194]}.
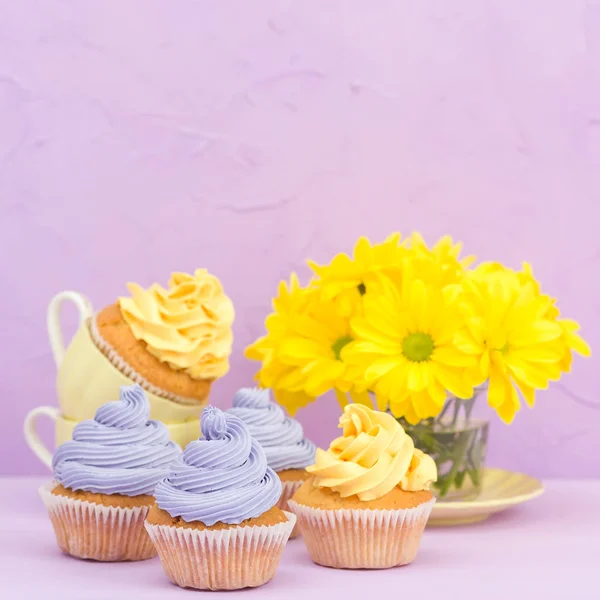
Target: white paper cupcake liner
{"type": "Point", "coordinates": [115, 359]}
{"type": "Point", "coordinates": [88, 530]}
{"type": "Point", "coordinates": [289, 489]}
{"type": "Point", "coordinates": [362, 538]}
{"type": "Point", "coordinates": [224, 559]}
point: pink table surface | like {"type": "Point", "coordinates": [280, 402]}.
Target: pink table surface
{"type": "Point", "coordinates": [549, 548]}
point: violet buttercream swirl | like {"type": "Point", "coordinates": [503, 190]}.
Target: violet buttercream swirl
{"type": "Point", "coordinates": [281, 437]}
{"type": "Point", "coordinates": [120, 451]}
{"type": "Point", "coordinates": [220, 478]}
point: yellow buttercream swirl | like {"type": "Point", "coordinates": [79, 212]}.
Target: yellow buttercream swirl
{"type": "Point", "coordinates": [372, 457]}
{"type": "Point", "coordinates": [187, 325]}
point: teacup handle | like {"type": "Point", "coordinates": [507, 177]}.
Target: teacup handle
{"type": "Point", "coordinates": [31, 435]}
{"type": "Point", "coordinates": [84, 306]}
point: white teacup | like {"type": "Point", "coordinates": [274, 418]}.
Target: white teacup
{"type": "Point", "coordinates": [87, 379]}
{"type": "Point", "coordinates": [63, 430]}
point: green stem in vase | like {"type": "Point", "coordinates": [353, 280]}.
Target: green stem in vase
{"type": "Point", "coordinates": [458, 458]}
{"type": "Point", "coordinates": [469, 404]}
{"type": "Point", "coordinates": [456, 403]}
{"type": "Point", "coordinates": [456, 443]}
{"type": "Point", "coordinates": [444, 410]}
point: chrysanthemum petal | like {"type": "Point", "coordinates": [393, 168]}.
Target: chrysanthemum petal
{"type": "Point", "coordinates": [508, 410]}
{"type": "Point", "coordinates": [341, 398]}
{"type": "Point", "coordinates": [362, 249]}
{"type": "Point", "coordinates": [382, 402]}
{"type": "Point", "coordinates": [363, 398]}
{"type": "Point", "coordinates": [497, 388]}
{"type": "Point", "coordinates": [257, 350]}
{"type": "Point", "coordinates": [292, 401]}
{"type": "Point", "coordinates": [437, 393]}
{"type": "Point", "coordinates": [358, 349]}
{"type": "Point", "coordinates": [298, 350]}
{"type": "Point", "coordinates": [466, 343]}
{"type": "Point", "coordinates": [418, 304]}
{"type": "Point", "coordinates": [363, 329]}
{"type": "Point", "coordinates": [418, 377]}
{"type": "Point", "coordinates": [484, 364]}
{"type": "Point", "coordinates": [411, 415]}
{"type": "Point", "coordinates": [536, 375]}
{"type": "Point", "coordinates": [450, 356]}
{"type": "Point", "coordinates": [320, 377]}
{"type": "Point", "coordinates": [527, 391]}
{"type": "Point", "coordinates": [424, 406]}
{"type": "Point", "coordinates": [452, 381]}
{"type": "Point", "coordinates": [538, 354]}
{"type": "Point", "coordinates": [292, 380]}
{"type": "Point", "coordinates": [539, 331]}
{"type": "Point", "coordinates": [577, 343]}
{"type": "Point", "coordinates": [380, 367]}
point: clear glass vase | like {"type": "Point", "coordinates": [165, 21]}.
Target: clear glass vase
{"type": "Point", "coordinates": [458, 444]}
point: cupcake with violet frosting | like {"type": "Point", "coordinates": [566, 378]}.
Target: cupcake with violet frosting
{"type": "Point", "coordinates": [282, 438]}
{"type": "Point", "coordinates": [216, 524]}
{"type": "Point", "coordinates": [368, 500]}
{"type": "Point", "coordinates": [104, 481]}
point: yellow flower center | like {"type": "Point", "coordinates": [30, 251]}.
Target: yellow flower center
{"type": "Point", "coordinates": [418, 347]}
{"type": "Point", "coordinates": [339, 344]}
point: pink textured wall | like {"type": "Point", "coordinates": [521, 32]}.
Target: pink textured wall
{"type": "Point", "coordinates": [142, 137]}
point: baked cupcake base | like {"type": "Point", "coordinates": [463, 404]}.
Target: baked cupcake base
{"type": "Point", "coordinates": [100, 527]}
{"type": "Point", "coordinates": [221, 557]}
{"type": "Point", "coordinates": [114, 338]}
{"type": "Point", "coordinates": [346, 533]}
{"type": "Point", "coordinates": [291, 481]}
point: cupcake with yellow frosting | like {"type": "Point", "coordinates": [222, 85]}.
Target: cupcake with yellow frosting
{"type": "Point", "coordinates": [173, 341]}
{"type": "Point", "coordinates": [368, 500]}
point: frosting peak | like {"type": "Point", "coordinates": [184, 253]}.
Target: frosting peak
{"type": "Point", "coordinates": [373, 456]}
{"type": "Point", "coordinates": [120, 451]}
{"type": "Point", "coordinates": [281, 437]}
{"type": "Point", "coordinates": [131, 410]}
{"type": "Point", "coordinates": [222, 477]}
{"type": "Point", "coordinates": [214, 424]}
{"type": "Point", "coordinates": [187, 325]}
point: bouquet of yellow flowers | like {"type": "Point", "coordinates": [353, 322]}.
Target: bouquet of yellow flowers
{"type": "Point", "coordinates": [410, 328]}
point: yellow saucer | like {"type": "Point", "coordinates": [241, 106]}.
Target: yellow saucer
{"type": "Point", "coordinates": [500, 490]}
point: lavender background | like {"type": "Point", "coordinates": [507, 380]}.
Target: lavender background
{"type": "Point", "coordinates": [142, 137]}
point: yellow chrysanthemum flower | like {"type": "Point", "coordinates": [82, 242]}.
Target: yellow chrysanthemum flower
{"type": "Point", "coordinates": [570, 340]}
{"type": "Point", "coordinates": [524, 276]}
{"type": "Point", "coordinates": [314, 351]}
{"type": "Point", "coordinates": [289, 301]}
{"type": "Point", "coordinates": [344, 274]}
{"type": "Point", "coordinates": [300, 353]}
{"type": "Point", "coordinates": [405, 348]}
{"type": "Point", "coordinates": [413, 325]}
{"type": "Point", "coordinates": [515, 337]}
{"type": "Point", "coordinates": [441, 265]}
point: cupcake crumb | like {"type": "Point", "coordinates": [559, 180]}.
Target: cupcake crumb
{"type": "Point", "coordinates": [318, 497]}
{"type": "Point", "coordinates": [157, 516]}
{"type": "Point", "coordinates": [103, 499]}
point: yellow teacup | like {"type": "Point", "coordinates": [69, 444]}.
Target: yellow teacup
{"type": "Point", "coordinates": [87, 380]}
